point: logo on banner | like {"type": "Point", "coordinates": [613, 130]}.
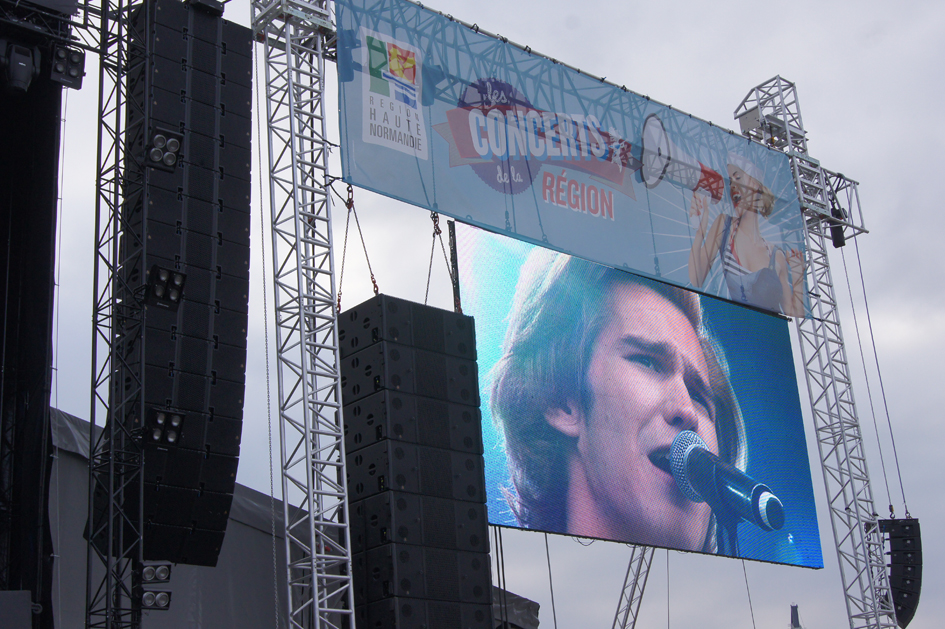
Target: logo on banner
{"type": "Point", "coordinates": [511, 145]}
{"type": "Point", "coordinates": [392, 114]}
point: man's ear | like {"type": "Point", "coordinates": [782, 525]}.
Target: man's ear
{"type": "Point", "coordinates": [566, 419]}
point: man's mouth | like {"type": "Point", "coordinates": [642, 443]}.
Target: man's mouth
{"type": "Point", "coordinates": [660, 458]}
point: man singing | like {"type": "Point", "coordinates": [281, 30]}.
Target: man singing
{"type": "Point", "coordinates": [600, 371]}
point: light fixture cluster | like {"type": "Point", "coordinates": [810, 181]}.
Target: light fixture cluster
{"type": "Point", "coordinates": [164, 149]}
{"type": "Point", "coordinates": [166, 287]}
{"type": "Point", "coordinates": [165, 426]}
{"type": "Point", "coordinates": [155, 573]}
{"type": "Point", "coordinates": [68, 66]}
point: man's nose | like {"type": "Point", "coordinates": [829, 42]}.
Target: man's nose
{"type": "Point", "coordinates": [680, 411]}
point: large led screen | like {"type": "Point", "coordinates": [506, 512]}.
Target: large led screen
{"type": "Point", "coordinates": [616, 407]}
{"type": "Point", "coordinates": [438, 114]}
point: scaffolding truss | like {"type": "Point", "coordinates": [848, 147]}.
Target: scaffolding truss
{"type": "Point", "coordinates": [641, 558]}
{"type": "Point", "coordinates": [770, 114]}
{"type": "Point", "coordinates": [297, 37]}
{"type": "Point", "coordinates": [116, 481]}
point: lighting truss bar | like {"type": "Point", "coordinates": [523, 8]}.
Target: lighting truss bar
{"type": "Point", "coordinates": [770, 114]}
{"type": "Point", "coordinates": [296, 36]}
{"type": "Point", "coordinates": [641, 558]}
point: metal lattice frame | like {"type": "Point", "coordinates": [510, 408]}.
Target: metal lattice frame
{"type": "Point", "coordinates": [830, 200]}
{"type": "Point", "coordinates": [641, 558]}
{"type": "Point", "coordinates": [116, 458]}
{"type": "Point", "coordinates": [296, 36]}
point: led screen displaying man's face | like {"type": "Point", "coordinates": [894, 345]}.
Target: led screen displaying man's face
{"type": "Point", "coordinates": [588, 376]}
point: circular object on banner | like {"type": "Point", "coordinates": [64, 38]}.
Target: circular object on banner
{"type": "Point", "coordinates": [656, 149]}
{"type": "Point", "coordinates": [508, 176]}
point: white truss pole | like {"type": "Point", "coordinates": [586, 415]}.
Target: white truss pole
{"type": "Point", "coordinates": [631, 596]}
{"type": "Point", "coordinates": [770, 114]}
{"type": "Point", "coordinates": [295, 35]}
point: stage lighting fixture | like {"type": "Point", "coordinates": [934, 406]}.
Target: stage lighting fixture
{"type": "Point", "coordinates": [837, 237]}
{"type": "Point", "coordinates": [166, 287]}
{"type": "Point", "coordinates": [155, 601]}
{"type": "Point", "coordinates": [164, 149]}
{"type": "Point", "coordinates": [156, 572]}
{"type": "Point", "coordinates": [164, 426]}
{"type": "Point", "coordinates": [19, 65]}
{"type": "Point", "coordinates": [68, 66]}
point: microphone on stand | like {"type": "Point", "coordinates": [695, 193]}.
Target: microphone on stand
{"type": "Point", "coordinates": [703, 477]}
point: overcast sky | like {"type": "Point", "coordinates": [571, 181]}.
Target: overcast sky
{"type": "Point", "coordinates": [871, 91]}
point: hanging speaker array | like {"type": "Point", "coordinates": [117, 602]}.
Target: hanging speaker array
{"type": "Point", "coordinates": [413, 442]}
{"type": "Point", "coordinates": [189, 148]}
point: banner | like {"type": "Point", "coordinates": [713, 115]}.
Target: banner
{"type": "Point", "coordinates": [588, 374]}
{"type": "Point", "coordinates": [437, 115]}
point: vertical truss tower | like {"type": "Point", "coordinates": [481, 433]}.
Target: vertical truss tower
{"type": "Point", "coordinates": [770, 114]}
{"type": "Point", "coordinates": [116, 456]}
{"type": "Point", "coordinates": [296, 37]}
{"type": "Point", "coordinates": [641, 558]}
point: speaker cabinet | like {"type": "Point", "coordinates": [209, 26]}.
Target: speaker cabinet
{"type": "Point", "coordinates": [412, 613]}
{"type": "Point", "coordinates": [427, 573]}
{"type": "Point", "coordinates": [394, 516]}
{"type": "Point", "coordinates": [387, 365]}
{"type": "Point", "coordinates": [905, 567]}
{"type": "Point", "coordinates": [385, 318]}
{"type": "Point", "coordinates": [412, 419]}
{"type": "Point", "coordinates": [417, 470]}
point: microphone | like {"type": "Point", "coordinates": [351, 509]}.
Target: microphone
{"type": "Point", "coordinates": [662, 159]}
{"type": "Point", "coordinates": [703, 477]}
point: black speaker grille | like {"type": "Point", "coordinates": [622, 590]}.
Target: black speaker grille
{"type": "Point", "coordinates": [435, 480]}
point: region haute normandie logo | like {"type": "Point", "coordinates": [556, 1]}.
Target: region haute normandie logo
{"type": "Point", "coordinates": [392, 85]}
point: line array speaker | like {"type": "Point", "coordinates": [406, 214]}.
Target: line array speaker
{"type": "Point", "coordinates": [422, 572]}
{"type": "Point", "coordinates": [189, 124]}
{"type": "Point", "coordinates": [413, 419]}
{"type": "Point", "coordinates": [416, 489]}
{"type": "Point", "coordinates": [905, 567]}
{"type": "Point", "coordinates": [395, 516]}
{"type": "Point", "coordinates": [414, 613]}
{"type": "Point", "coordinates": [387, 365]}
{"type": "Point", "coordinates": [392, 465]}
{"type": "Point", "coordinates": [386, 318]}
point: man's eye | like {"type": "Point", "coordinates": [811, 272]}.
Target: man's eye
{"type": "Point", "coordinates": [646, 361]}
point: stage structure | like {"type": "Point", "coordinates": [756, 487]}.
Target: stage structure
{"type": "Point", "coordinates": [298, 38]}
{"type": "Point", "coordinates": [829, 206]}
{"type": "Point", "coordinates": [770, 114]}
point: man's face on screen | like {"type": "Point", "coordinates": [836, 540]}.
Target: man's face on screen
{"type": "Point", "coordinates": [647, 381]}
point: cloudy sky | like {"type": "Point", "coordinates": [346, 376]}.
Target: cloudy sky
{"type": "Point", "coordinates": [870, 86]}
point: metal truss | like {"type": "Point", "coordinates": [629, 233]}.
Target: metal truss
{"type": "Point", "coordinates": [830, 207]}
{"type": "Point", "coordinates": [297, 37]}
{"type": "Point", "coordinates": [116, 457]}
{"type": "Point", "coordinates": [641, 558]}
